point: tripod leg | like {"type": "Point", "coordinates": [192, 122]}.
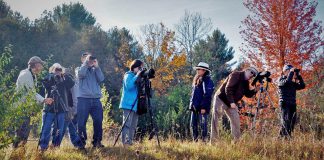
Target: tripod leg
{"type": "Point", "coordinates": [272, 105]}
{"type": "Point", "coordinates": [256, 113]}
{"type": "Point", "coordinates": [123, 126]}
{"type": "Point", "coordinates": [153, 124]}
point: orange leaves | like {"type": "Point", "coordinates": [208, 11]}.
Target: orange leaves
{"type": "Point", "coordinates": [163, 57]}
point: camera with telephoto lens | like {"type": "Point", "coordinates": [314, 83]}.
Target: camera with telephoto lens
{"type": "Point", "coordinates": [148, 74]}
{"type": "Point", "coordinates": [53, 78]}
{"type": "Point", "coordinates": [58, 78]}
{"type": "Point", "coordinates": [260, 76]}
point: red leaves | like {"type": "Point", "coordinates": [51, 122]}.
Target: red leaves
{"type": "Point", "coordinates": [279, 32]}
{"type": "Point", "coordinates": [283, 31]}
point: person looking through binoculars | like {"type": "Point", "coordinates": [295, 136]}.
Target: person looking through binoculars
{"type": "Point", "coordinates": [289, 83]}
{"type": "Point", "coordinates": [90, 77]}
{"type": "Point", "coordinates": [56, 84]}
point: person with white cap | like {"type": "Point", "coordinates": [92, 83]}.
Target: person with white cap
{"type": "Point", "coordinates": [56, 84]}
{"type": "Point", "coordinates": [26, 82]}
{"type": "Point", "coordinates": [235, 86]}
{"type": "Point", "coordinates": [289, 83]}
{"type": "Point", "coordinates": [202, 90]}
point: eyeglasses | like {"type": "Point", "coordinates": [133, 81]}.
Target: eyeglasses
{"type": "Point", "coordinates": [253, 74]}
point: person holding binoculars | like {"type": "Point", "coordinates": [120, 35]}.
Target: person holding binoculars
{"type": "Point", "coordinates": [289, 83]}
{"type": "Point", "coordinates": [89, 78]}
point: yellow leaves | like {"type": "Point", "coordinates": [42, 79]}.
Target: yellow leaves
{"type": "Point", "coordinates": [179, 60]}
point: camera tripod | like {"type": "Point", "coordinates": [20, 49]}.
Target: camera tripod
{"type": "Point", "coordinates": [263, 93]}
{"type": "Point", "coordinates": [147, 90]}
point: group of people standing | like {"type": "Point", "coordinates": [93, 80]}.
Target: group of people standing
{"type": "Point", "coordinates": [230, 92]}
{"type": "Point", "coordinates": [69, 101]}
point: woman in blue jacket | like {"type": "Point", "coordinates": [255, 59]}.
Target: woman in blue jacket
{"type": "Point", "coordinates": [202, 90]}
{"type": "Point", "coordinates": [128, 102]}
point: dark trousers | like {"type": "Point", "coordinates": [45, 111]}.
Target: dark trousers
{"type": "Point", "coordinates": [195, 119]}
{"type": "Point", "coordinates": [93, 107]}
{"type": "Point", "coordinates": [22, 132]}
{"type": "Point", "coordinates": [288, 119]}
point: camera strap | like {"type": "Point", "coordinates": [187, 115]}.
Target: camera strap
{"type": "Point", "coordinates": [134, 104]}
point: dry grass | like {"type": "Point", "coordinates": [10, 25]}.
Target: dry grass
{"type": "Point", "coordinates": [301, 147]}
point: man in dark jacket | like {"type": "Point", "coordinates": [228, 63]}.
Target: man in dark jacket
{"type": "Point", "coordinates": [235, 86]}
{"type": "Point", "coordinates": [289, 83]}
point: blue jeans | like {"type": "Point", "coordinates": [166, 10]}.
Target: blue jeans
{"type": "Point", "coordinates": [93, 107]}
{"type": "Point", "coordinates": [48, 120]}
{"type": "Point", "coordinates": [202, 118]}
{"type": "Point", "coordinates": [71, 125]}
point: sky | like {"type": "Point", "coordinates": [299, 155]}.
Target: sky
{"type": "Point", "coordinates": [226, 15]}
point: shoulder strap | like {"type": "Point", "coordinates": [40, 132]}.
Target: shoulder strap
{"type": "Point", "coordinates": [204, 87]}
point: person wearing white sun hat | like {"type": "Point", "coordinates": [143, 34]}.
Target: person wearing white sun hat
{"type": "Point", "coordinates": [202, 90]}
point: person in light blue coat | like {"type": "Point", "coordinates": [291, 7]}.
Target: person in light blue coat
{"type": "Point", "coordinates": [128, 102]}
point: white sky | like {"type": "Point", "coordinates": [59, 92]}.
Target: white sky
{"type": "Point", "coordinates": [131, 14]}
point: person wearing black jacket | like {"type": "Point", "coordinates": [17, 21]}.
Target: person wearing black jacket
{"type": "Point", "coordinates": [70, 117]}
{"type": "Point", "coordinates": [56, 84]}
{"type": "Point", "coordinates": [289, 83]}
{"type": "Point", "coordinates": [202, 90]}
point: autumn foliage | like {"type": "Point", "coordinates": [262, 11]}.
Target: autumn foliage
{"type": "Point", "coordinates": [162, 55]}
{"type": "Point", "coordinates": [282, 31]}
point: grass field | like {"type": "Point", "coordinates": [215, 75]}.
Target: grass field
{"type": "Point", "coordinates": [260, 147]}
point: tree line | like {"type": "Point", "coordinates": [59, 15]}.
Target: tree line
{"type": "Point", "coordinates": [62, 34]}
